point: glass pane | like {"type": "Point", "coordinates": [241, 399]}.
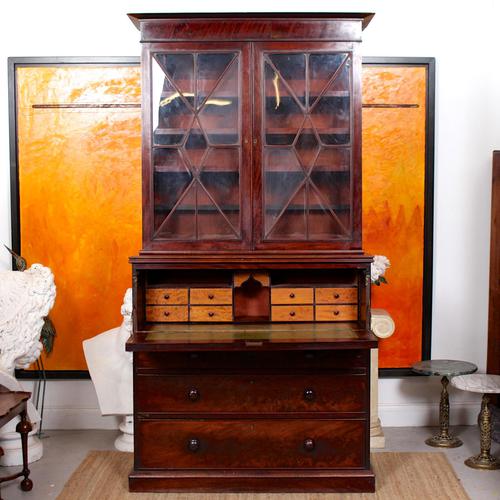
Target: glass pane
{"type": "Point", "coordinates": [219, 116]}
{"type": "Point", "coordinates": [180, 224]}
{"type": "Point", "coordinates": [196, 145]}
{"type": "Point", "coordinates": [323, 223]}
{"type": "Point", "coordinates": [331, 113]}
{"type": "Point", "coordinates": [180, 70]}
{"type": "Point", "coordinates": [291, 223]}
{"type": "Point", "coordinates": [292, 68]}
{"type": "Point", "coordinates": [221, 179]}
{"type": "Point", "coordinates": [283, 115]}
{"type": "Point", "coordinates": [209, 69]}
{"type": "Point", "coordinates": [307, 145]}
{"type": "Point", "coordinates": [211, 223]}
{"type": "Point", "coordinates": [322, 67]}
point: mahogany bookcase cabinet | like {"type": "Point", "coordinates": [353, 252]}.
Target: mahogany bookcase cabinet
{"type": "Point", "coordinates": [251, 337]}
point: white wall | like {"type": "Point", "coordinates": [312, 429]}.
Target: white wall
{"type": "Point", "coordinates": [463, 38]}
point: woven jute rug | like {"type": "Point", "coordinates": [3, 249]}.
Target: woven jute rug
{"type": "Point", "coordinates": [400, 476]}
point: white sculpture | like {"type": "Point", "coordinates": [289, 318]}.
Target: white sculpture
{"type": "Point", "coordinates": [25, 299]}
{"type": "Point", "coordinates": [110, 368]}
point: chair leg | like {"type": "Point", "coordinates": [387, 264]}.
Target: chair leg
{"type": "Point", "coordinates": [24, 428]}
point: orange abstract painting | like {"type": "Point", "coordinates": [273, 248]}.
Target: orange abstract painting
{"type": "Point", "coordinates": [394, 138]}
{"type": "Point", "coordinates": [79, 136]}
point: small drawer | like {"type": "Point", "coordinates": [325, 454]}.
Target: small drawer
{"type": "Point", "coordinates": [292, 313]}
{"type": "Point", "coordinates": [211, 296]}
{"type": "Point", "coordinates": [291, 295]}
{"type": "Point", "coordinates": [166, 296]}
{"type": "Point", "coordinates": [336, 295]}
{"type": "Point", "coordinates": [164, 314]}
{"type": "Point", "coordinates": [337, 313]}
{"type": "Point", "coordinates": [211, 313]}
{"type": "Point", "coordinates": [250, 444]}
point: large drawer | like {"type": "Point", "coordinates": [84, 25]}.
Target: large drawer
{"type": "Point", "coordinates": [237, 444]}
{"type": "Point", "coordinates": [208, 393]}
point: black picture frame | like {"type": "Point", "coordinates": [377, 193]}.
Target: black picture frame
{"type": "Point", "coordinates": [428, 62]}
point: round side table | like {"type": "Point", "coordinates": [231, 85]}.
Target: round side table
{"type": "Point", "coordinates": [445, 368]}
{"type": "Point", "coordinates": [485, 384]}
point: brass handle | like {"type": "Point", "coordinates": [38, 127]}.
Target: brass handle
{"type": "Point", "coordinates": [166, 313]}
{"type": "Point", "coordinates": [166, 296]}
{"type": "Point", "coordinates": [335, 313]}
{"type": "Point", "coordinates": [292, 295]}
{"type": "Point", "coordinates": [193, 444]}
{"type": "Point", "coordinates": [211, 296]}
{"type": "Point", "coordinates": [309, 394]}
{"type": "Point", "coordinates": [336, 296]}
{"type": "Point", "coordinates": [210, 313]}
{"type": "Point", "coordinates": [309, 444]}
{"type": "Point", "coordinates": [194, 394]}
{"type": "Point", "coordinates": [292, 313]}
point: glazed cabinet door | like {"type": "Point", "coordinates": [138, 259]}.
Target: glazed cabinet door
{"type": "Point", "coordinates": [307, 143]}
{"type": "Point", "coordinates": [196, 146]}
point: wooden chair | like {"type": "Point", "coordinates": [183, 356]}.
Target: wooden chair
{"type": "Point", "coordinates": [13, 403]}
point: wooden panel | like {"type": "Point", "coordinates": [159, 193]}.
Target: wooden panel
{"type": "Point", "coordinates": [337, 313]}
{"type": "Point", "coordinates": [166, 313]}
{"type": "Point", "coordinates": [262, 278]}
{"type": "Point", "coordinates": [336, 295]}
{"type": "Point", "coordinates": [263, 443]}
{"type": "Point", "coordinates": [166, 296]}
{"type": "Point", "coordinates": [292, 296]}
{"type": "Point", "coordinates": [210, 296]}
{"type": "Point", "coordinates": [250, 393]}
{"type": "Point", "coordinates": [211, 313]}
{"type": "Point", "coordinates": [292, 313]}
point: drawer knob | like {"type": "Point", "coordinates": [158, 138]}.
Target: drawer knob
{"type": "Point", "coordinates": [309, 394]}
{"type": "Point", "coordinates": [166, 313]}
{"type": "Point", "coordinates": [166, 296]}
{"type": "Point", "coordinates": [210, 296]}
{"type": "Point", "coordinates": [211, 314]}
{"type": "Point", "coordinates": [194, 394]}
{"type": "Point", "coordinates": [194, 444]}
{"type": "Point", "coordinates": [335, 313]}
{"type": "Point", "coordinates": [309, 444]}
{"type": "Point", "coordinates": [292, 313]}
{"type": "Point", "coordinates": [292, 295]}
{"type": "Point", "coordinates": [337, 296]}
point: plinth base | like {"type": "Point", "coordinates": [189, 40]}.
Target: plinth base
{"type": "Point", "coordinates": [485, 463]}
{"type": "Point", "coordinates": [443, 442]}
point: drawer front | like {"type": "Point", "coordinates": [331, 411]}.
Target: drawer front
{"type": "Point", "coordinates": [166, 296]}
{"type": "Point", "coordinates": [336, 295]}
{"type": "Point", "coordinates": [292, 296]}
{"type": "Point", "coordinates": [211, 313]}
{"type": "Point", "coordinates": [336, 313]}
{"type": "Point", "coordinates": [292, 313]}
{"type": "Point", "coordinates": [237, 444]}
{"type": "Point", "coordinates": [211, 296]}
{"type": "Point", "coordinates": [162, 314]}
{"type": "Point", "coordinates": [248, 393]}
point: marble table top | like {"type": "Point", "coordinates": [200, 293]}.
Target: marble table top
{"type": "Point", "coordinates": [479, 382]}
{"type": "Point", "coordinates": [444, 367]}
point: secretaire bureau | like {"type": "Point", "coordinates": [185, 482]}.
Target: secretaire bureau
{"type": "Point", "coordinates": [251, 338]}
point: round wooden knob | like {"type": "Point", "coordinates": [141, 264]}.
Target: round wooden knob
{"type": "Point", "coordinates": [309, 394]}
{"type": "Point", "coordinates": [292, 295]}
{"type": "Point", "coordinates": [194, 444]}
{"type": "Point", "coordinates": [166, 296]}
{"type": "Point", "coordinates": [309, 444]}
{"type": "Point", "coordinates": [210, 313]}
{"type": "Point", "coordinates": [292, 313]}
{"type": "Point", "coordinates": [336, 295]}
{"type": "Point", "coordinates": [194, 394]}
{"type": "Point", "coordinates": [166, 313]}
{"type": "Point", "coordinates": [336, 313]}
{"type": "Point", "coordinates": [211, 296]}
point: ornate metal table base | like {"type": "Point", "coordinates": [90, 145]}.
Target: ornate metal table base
{"type": "Point", "coordinates": [484, 460]}
{"type": "Point", "coordinates": [444, 439]}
